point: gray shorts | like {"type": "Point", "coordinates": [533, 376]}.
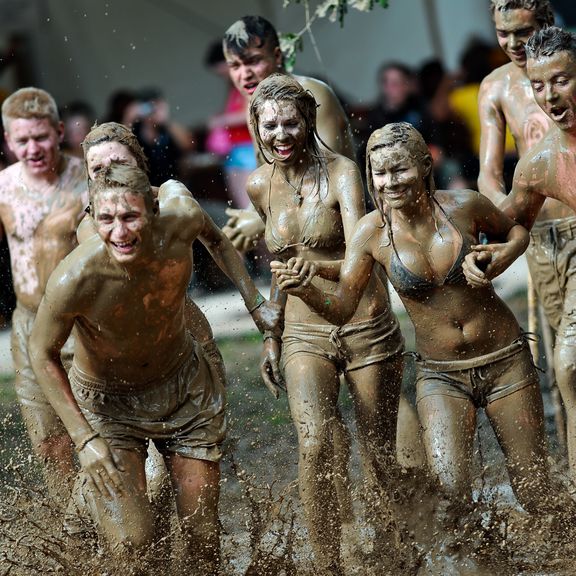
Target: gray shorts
{"type": "Point", "coordinates": [40, 418]}
{"type": "Point", "coordinates": [482, 379]}
{"type": "Point", "coordinates": [551, 258]}
{"type": "Point", "coordinates": [182, 411]}
{"type": "Point", "coordinates": [349, 347]}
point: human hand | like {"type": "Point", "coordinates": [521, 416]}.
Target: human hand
{"type": "Point", "coordinates": [474, 267]}
{"type": "Point", "coordinates": [293, 276]}
{"type": "Point", "coordinates": [270, 367]}
{"type": "Point", "coordinates": [268, 316]}
{"type": "Point", "coordinates": [244, 228]}
{"type": "Point", "coordinates": [496, 257]}
{"type": "Point", "coordinates": [102, 468]}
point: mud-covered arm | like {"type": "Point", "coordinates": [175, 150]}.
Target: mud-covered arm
{"type": "Point", "coordinates": [339, 307]}
{"type": "Point", "coordinates": [492, 144]}
{"type": "Point", "coordinates": [54, 322]}
{"type": "Point", "coordinates": [331, 121]}
{"type": "Point", "coordinates": [524, 201]}
{"type": "Point", "coordinates": [265, 314]}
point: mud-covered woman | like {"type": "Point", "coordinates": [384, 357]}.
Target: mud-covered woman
{"type": "Point", "coordinates": [471, 352]}
{"type": "Point", "coordinates": [310, 200]}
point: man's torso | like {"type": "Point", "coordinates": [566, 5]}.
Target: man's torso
{"type": "Point", "coordinates": [41, 228]}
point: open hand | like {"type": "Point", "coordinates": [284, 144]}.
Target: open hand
{"type": "Point", "coordinates": [270, 367]}
{"type": "Point", "coordinates": [244, 228]}
{"type": "Point", "coordinates": [101, 467]}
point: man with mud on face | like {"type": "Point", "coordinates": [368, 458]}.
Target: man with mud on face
{"type": "Point", "coordinates": [548, 170]}
{"type": "Point", "coordinates": [506, 100]}
{"type": "Point", "coordinates": [137, 372]}
{"type": "Point", "coordinates": [252, 51]}
{"type": "Point", "coordinates": [42, 200]}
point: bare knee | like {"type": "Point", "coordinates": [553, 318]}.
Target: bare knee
{"type": "Point", "coordinates": [131, 535]}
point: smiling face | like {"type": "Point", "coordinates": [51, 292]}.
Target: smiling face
{"type": "Point", "coordinates": [553, 80]}
{"type": "Point", "coordinates": [254, 64]}
{"type": "Point", "coordinates": [282, 130]}
{"type": "Point", "coordinates": [100, 156]}
{"type": "Point", "coordinates": [513, 29]}
{"type": "Point", "coordinates": [397, 178]}
{"type": "Point", "coordinates": [35, 142]}
{"type": "Point", "coordinates": [124, 222]}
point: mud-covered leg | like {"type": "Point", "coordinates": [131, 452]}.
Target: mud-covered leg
{"type": "Point", "coordinates": [313, 385]}
{"type": "Point", "coordinates": [196, 486]}
{"type": "Point", "coordinates": [126, 519]}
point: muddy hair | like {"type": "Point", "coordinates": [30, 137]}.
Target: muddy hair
{"type": "Point", "coordinates": [393, 135]}
{"type": "Point", "coordinates": [114, 132]}
{"type": "Point", "coordinates": [30, 103]}
{"type": "Point", "coordinates": [541, 8]}
{"type": "Point", "coordinates": [250, 30]}
{"type": "Point", "coordinates": [121, 176]}
{"type": "Point", "coordinates": [279, 87]}
{"type": "Point", "coordinates": [549, 41]}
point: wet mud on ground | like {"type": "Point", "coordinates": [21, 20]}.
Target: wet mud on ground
{"type": "Point", "coordinates": [262, 526]}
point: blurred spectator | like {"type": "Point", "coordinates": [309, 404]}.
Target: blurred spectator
{"type": "Point", "coordinates": [397, 102]}
{"type": "Point", "coordinates": [164, 141]}
{"type": "Point", "coordinates": [477, 61]}
{"type": "Point", "coordinates": [78, 118]}
{"type": "Point", "coordinates": [228, 134]}
{"type": "Point", "coordinates": [7, 296]}
{"type": "Point", "coordinates": [122, 107]}
{"type": "Point", "coordinates": [444, 132]}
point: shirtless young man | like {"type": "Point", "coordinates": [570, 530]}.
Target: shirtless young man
{"type": "Point", "coordinates": [137, 372]}
{"type": "Point", "coordinates": [548, 170]}
{"type": "Point", "coordinates": [506, 99]}
{"type": "Point", "coordinates": [42, 200]}
{"type": "Point", "coordinates": [252, 51]}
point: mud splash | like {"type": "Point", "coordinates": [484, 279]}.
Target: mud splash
{"type": "Point", "coordinates": [263, 528]}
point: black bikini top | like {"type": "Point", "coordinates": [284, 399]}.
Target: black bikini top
{"type": "Point", "coordinates": [408, 284]}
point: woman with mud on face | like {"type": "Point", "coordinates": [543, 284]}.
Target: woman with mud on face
{"type": "Point", "coordinates": [310, 201]}
{"type": "Point", "coordinates": [471, 351]}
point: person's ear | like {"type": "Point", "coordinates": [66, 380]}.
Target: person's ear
{"type": "Point", "coordinates": [427, 166]}
{"type": "Point", "coordinates": [278, 58]}
{"type": "Point", "coordinates": [60, 130]}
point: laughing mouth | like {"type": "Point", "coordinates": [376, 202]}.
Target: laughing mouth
{"type": "Point", "coordinates": [557, 113]}
{"type": "Point", "coordinates": [250, 87]}
{"type": "Point", "coordinates": [124, 247]}
{"type": "Point", "coordinates": [283, 151]}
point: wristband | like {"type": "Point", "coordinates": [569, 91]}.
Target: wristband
{"type": "Point", "coordinates": [269, 335]}
{"type": "Point", "coordinates": [259, 301]}
{"type": "Point", "coordinates": [88, 438]}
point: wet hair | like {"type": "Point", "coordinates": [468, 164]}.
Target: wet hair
{"type": "Point", "coordinates": [121, 176]}
{"type": "Point", "coordinates": [396, 135]}
{"type": "Point", "coordinates": [114, 132]}
{"type": "Point", "coordinates": [250, 30]}
{"type": "Point", "coordinates": [279, 87]}
{"type": "Point", "coordinates": [541, 8]}
{"type": "Point", "coordinates": [30, 103]}
{"type": "Point", "coordinates": [549, 41]}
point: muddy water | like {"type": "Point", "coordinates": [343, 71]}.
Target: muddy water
{"type": "Point", "coordinates": [262, 524]}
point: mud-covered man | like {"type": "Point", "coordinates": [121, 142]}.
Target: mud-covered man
{"type": "Point", "coordinates": [42, 200]}
{"type": "Point", "coordinates": [548, 170]}
{"type": "Point", "coordinates": [137, 373]}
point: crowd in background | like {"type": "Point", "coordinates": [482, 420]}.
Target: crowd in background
{"type": "Point", "coordinates": [215, 159]}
